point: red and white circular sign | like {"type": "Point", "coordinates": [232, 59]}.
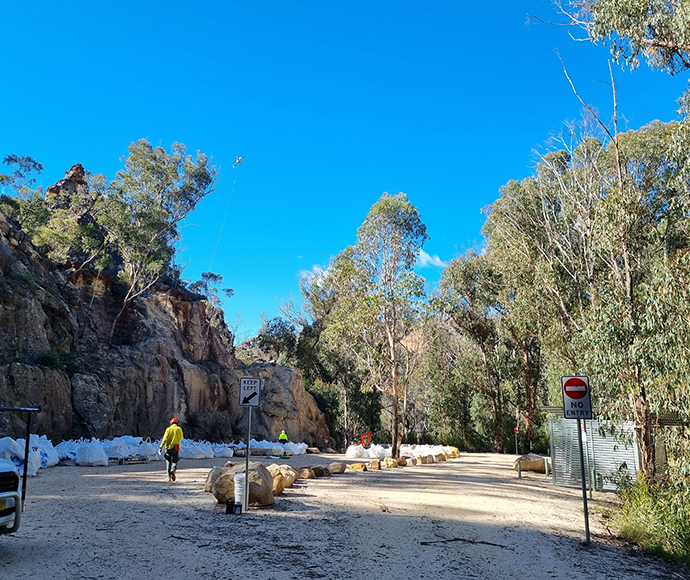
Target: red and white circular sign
{"type": "Point", "coordinates": [575, 388]}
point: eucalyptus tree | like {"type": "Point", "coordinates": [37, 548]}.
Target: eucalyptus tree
{"type": "Point", "coordinates": [327, 368]}
{"type": "Point", "coordinates": [20, 199]}
{"type": "Point", "coordinates": [144, 206]}
{"type": "Point", "coordinates": [377, 300]}
{"type": "Point", "coordinates": [656, 30]}
{"type": "Point", "coordinates": [589, 229]}
{"type": "Point", "coordinates": [468, 297]}
{"type": "Point", "coordinates": [448, 394]}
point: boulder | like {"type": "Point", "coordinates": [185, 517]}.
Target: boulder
{"type": "Point", "coordinates": [288, 473]}
{"type": "Point", "coordinates": [402, 462]}
{"type": "Point", "coordinates": [260, 484]}
{"type": "Point", "coordinates": [278, 484]}
{"type": "Point", "coordinates": [314, 450]}
{"type": "Point", "coordinates": [531, 462]}
{"type": "Point", "coordinates": [390, 462]}
{"type": "Point", "coordinates": [411, 461]}
{"type": "Point", "coordinates": [336, 467]}
{"type": "Point", "coordinates": [212, 476]}
{"type": "Point", "coordinates": [330, 450]}
{"type": "Point", "coordinates": [375, 465]}
{"type": "Point", "coordinates": [439, 457]}
{"type": "Point", "coordinates": [305, 473]}
{"type": "Point", "coordinates": [320, 471]}
{"type": "Point", "coordinates": [357, 466]}
{"type": "Point", "coordinates": [454, 452]}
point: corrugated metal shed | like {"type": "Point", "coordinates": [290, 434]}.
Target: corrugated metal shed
{"type": "Point", "coordinates": [610, 452]}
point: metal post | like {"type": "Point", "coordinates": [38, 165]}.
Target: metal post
{"type": "Point", "coordinates": [546, 466]}
{"type": "Point", "coordinates": [519, 469]}
{"type": "Point", "coordinates": [586, 451]}
{"type": "Point", "coordinates": [26, 456]}
{"type": "Point", "coordinates": [593, 465]}
{"type": "Point", "coordinates": [245, 500]}
{"type": "Point", "coordinates": [584, 483]}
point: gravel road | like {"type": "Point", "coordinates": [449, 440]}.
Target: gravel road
{"type": "Point", "coordinates": [465, 518]}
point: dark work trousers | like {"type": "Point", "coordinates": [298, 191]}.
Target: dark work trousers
{"type": "Point", "coordinates": [171, 459]}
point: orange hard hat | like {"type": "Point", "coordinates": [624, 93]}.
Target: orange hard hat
{"type": "Point", "coordinates": [174, 420]}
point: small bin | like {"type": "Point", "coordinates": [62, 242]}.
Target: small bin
{"type": "Point", "coordinates": [233, 507]}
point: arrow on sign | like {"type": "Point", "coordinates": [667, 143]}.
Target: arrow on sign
{"type": "Point", "coordinates": [249, 398]}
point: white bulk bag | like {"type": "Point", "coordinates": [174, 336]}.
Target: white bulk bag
{"type": "Point", "coordinates": [91, 454]}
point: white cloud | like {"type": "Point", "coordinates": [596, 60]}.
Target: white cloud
{"type": "Point", "coordinates": [425, 260]}
{"type": "Point", "coordinates": [317, 274]}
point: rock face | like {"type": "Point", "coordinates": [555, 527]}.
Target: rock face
{"type": "Point", "coordinates": [171, 354]}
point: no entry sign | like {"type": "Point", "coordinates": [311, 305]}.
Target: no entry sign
{"type": "Point", "coordinates": [576, 400]}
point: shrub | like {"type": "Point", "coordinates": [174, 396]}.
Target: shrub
{"type": "Point", "coordinates": [656, 515]}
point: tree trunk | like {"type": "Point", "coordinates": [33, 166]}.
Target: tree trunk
{"type": "Point", "coordinates": [403, 423]}
{"type": "Point", "coordinates": [644, 421]}
{"type": "Point", "coordinates": [529, 396]}
{"type": "Point", "coordinates": [497, 422]}
{"type": "Point", "coordinates": [396, 426]}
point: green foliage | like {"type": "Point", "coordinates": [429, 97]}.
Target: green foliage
{"type": "Point", "coordinates": [208, 286]}
{"type": "Point", "coordinates": [327, 398]}
{"type": "Point", "coordinates": [373, 300]}
{"type": "Point", "coordinates": [656, 515]}
{"type": "Point", "coordinates": [50, 359]}
{"type": "Point", "coordinates": [656, 30]}
{"type": "Point", "coordinates": [279, 336]}
{"type": "Point", "coordinates": [25, 171]}
{"type": "Point", "coordinates": [60, 361]}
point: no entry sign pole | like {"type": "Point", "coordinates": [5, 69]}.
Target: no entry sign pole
{"type": "Point", "coordinates": [577, 405]}
{"type": "Point", "coordinates": [584, 484]}
{"type": "Point", "coordinates": [250, 396]}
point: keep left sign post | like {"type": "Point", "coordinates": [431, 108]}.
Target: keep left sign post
{"type": "Point", "coordinates": [250, 396]}
{"type": "Point", "coordinates": [577, 404]}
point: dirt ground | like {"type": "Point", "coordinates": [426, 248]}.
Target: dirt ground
{"type": "Point", "coordinates": [465, 518]}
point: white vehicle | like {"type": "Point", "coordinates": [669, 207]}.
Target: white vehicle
{"type": "Point", "coordinates": [11, 500]}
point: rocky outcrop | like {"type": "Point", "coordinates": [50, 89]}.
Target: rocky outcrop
{"type": "Point", "coordinates": [171, 354]}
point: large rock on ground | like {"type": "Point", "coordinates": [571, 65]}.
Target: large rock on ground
{"type": "Point", "coordinates": [531, 462]}
{"type": "Point", "coordinates": [306, 473]}
{"type": "Point", "coordinates": [320, 471]}
{"type": "Point", "coordinates": [260, 484]}
{"type": "Point", "coordinates": [357, 466]}
{"type": "Point", "coordinates": [336, 467]}
{"type": "Point", "coordinates": [212, 476]}
{"type": "Point", "coordinates": [390, 462]}
{"type": "Point", "coordinates": [283, 477]}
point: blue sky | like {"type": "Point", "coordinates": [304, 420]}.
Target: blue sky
{"type": "Point", "coordinates": [330, 103]}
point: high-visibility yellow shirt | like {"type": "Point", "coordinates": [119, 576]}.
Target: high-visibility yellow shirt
{"type": "Point", "coordinates": [283, 437]}
{"type": "Point", "coordinates": [172, 436]}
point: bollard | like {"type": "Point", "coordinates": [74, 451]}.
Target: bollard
{"type": "Point", "coordinates": [546, 466]}
{"type": "Point", "coordinates": [519, 469]}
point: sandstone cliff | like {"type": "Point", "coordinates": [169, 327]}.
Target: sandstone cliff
{"type": "Point", "coordinates": [171, 354]}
